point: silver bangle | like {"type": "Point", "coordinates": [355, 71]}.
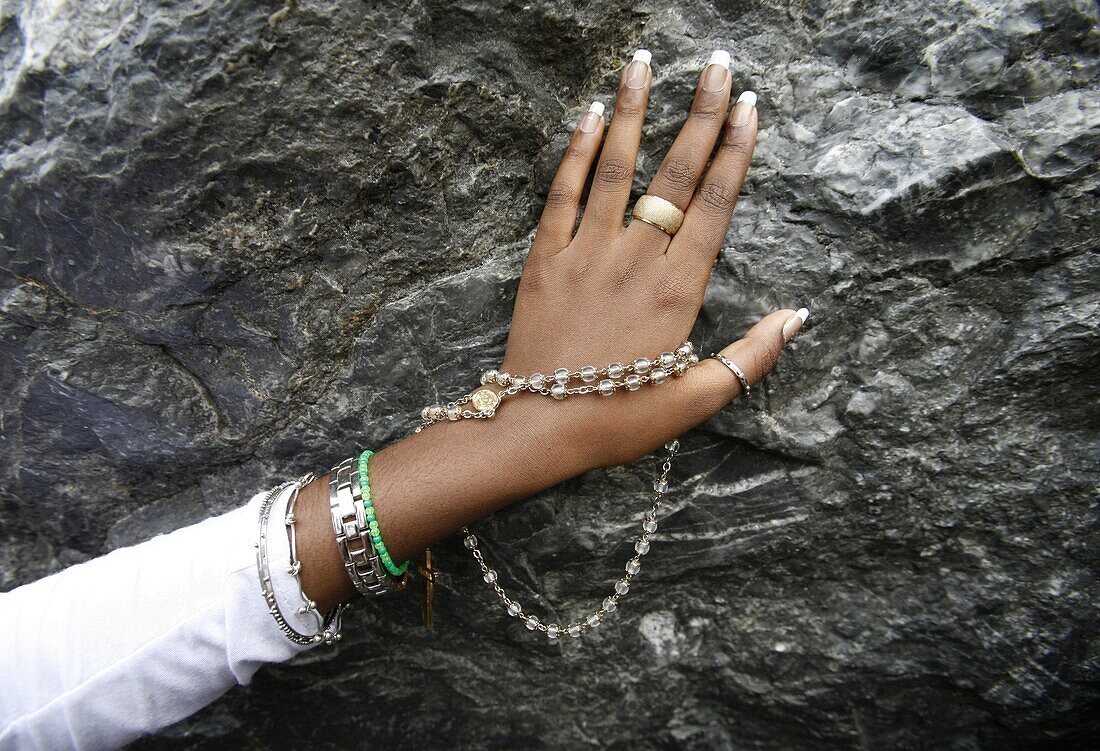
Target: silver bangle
{"type": "Point", "coordinates": [361, 561]}
{"type": "Point", "coordinates": [736, 371]}
{"type": "Point", "coordinates": [328, 626]}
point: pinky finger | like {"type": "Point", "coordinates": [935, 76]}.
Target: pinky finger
{"type": "Point", "coordinates": [559, 215]}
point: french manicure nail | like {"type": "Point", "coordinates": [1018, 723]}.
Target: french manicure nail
{"type": "Point", "coordinates": [794, 323]}
{"type": "Point", "coordinates": [637, 72]}
{"type": "Point", "coordinates": [717, 70]}
{"type": "Point", "coordinates": [591, 120]}
{"type": "Point", "coordinates": [742, 111]}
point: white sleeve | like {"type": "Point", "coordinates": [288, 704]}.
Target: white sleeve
{"type": "Point", "coordinates": [104, 651]}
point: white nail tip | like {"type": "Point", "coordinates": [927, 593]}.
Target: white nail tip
{"type": "Point", "coordinates": [719, 57]}
{"type": "Point", "coordinates": [803, 313]}
{"type": "Point", "coordinates": [644, 55]}
{"type": "Point", "coordinates": [597, 107]}
{"type": "Point", "coordinates": [750, 97]}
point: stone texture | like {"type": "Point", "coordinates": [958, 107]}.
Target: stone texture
{"type": "Point", "coordinates": [240, 238]}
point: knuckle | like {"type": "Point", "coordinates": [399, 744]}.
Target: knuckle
{"type": "Point", "coordinates": [737, 147]}
{"type": "Point", "coordinates": [680, 173]}
{"type": "Point", "coordinates": [707, 112]}
{"type": "Point", "coordinates": [576, 153]}
{"type": "Point", "coordinates": [765, 354]}
{"type": "Point", "coordinates": [717, 197]}
{"type": "Point", "coordinates": [614, 172]}
{"type": "Point", "coordinates": [629, 104]}
{"type": "Point", "coordinates": [561, 195]}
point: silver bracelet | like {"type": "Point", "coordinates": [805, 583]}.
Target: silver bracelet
{"type": "Point", "coordinates": [328, 626]}
{"type": "Point", "coordinates": [349, 522]}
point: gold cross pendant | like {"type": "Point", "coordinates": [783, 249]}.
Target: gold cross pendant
{"type": "Point", "coordinates": [431, 576]}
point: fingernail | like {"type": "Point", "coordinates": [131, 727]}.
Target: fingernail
{"type": "Point", "coordinates": [637, 73]}
{"type": "Point", "coordinates": [742, 111]}
{"type": "Point", "coordinates": [591, 120]}
{"type": "Point", "coordinates": [717, 69]}
{"type": "Point", "coordinates": [794, 323]}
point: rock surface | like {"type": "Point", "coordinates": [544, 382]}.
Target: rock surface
{"type": "Point", "coordinates": [237, 237]}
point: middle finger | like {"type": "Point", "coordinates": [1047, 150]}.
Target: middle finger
{"type": "Point", "coordinates": [679, 173]}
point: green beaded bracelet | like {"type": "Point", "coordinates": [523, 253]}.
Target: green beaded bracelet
{"type": "Point", "coordinates": [372, 520]}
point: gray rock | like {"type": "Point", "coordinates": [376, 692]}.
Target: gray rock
{"type": "Point", "coordinates": [238, 239]}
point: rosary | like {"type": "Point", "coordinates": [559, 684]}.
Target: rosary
{"type": "Point", "coordinates": [564, 383]}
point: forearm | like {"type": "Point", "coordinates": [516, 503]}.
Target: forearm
{"type": "Point", "coordinates": [432, 483]}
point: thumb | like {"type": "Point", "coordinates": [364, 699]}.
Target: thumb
{"type": "Point", "coordinates": [711, 385]}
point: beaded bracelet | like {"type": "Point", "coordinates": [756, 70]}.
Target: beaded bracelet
{"type": "Point", "coordinates": [372, 520]}
{"type": "Point", "coordinates": [565, 383]}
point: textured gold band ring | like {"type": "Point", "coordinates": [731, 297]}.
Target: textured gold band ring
{"type": "Point", "coordinates": [660, 213]}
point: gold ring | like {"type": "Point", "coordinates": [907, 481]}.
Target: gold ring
{"type": "Point", "coordinates": [660, 213]}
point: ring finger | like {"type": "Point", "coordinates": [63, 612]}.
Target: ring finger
{"type": "Point", "coordinates": [679, 173]}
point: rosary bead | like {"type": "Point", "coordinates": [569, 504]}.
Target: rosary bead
{"type": "Point", "coordinates": [685, 349]}
{"type": "Point", "coordinates": [588, 373]}
{"type": "Point", "coordinates": [658, 376]}
{"type": "Point", "coordinates": [558, 391]}
{"type": "Point", "coordinates": [661, 486]}
{"type": "Point", "coordinates": [470, 542]}
{"type": "Point", "coordinates": [609, 604]}
{"type": "Point", "coordinates": [453, 411]}
{"type": "Point", "coordinates": [633, 566]}
{"type": "Point", "coordinates": [561, 375]}
{"type": "Point", "coordinates": [490, 576]}
{"type": "Point", "coordinates": [633, 382]}
{"type": "Point", "coordinates": [553, 631]}
{"type": "Point", "coordinates": [680, 368]}
{"type": "Point", "coordinates": [574, 631]}
{"type": "Point", "coordinates": [667, 358]}
{"type": "Point", "coordinates": [503, 379]}
{"type": "Point", "coordinates": [642, 547]}
{"type": "Point", "coordinates": [607, 388]}
{"type": "Point", "coordinates": [438, 412]}
{"type": "Point", "coordinates": [622, 586]}
{"type": "Point", "coordinates": [642, 365]}
{"type": "Point", "coordinates": [514, 608]}
{"type": "Point", "coordinates": [519, 381]}
{"type": "Point", "coordinates": [532, 623]}
{"type": "Point", "coordinates": [537, 381]}
{"type": "Point", "coordinates": [615, 370]}
{"type": "Point", "coordinates": [593, 620]}
{"type": "Point", "coordinates": [672, 446]}
{"type": "Point", "coordinates": [426, 413]}
{"type": "Point", "coordinates": [650, 525]}
{"type": "Point", "coordinates": [693, 358]}
{"type": "Point", "coordinates": [489, 376]}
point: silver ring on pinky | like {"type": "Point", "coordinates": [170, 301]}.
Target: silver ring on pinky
{"type": "Point", "coordinates": [736, 371]}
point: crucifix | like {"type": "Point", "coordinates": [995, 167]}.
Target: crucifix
{"type": "Point", "coordinates": [431, 576]}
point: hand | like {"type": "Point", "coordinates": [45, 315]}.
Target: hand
{"type": "Point", "coordinates": [599, 295]}
{"type": "Point", "coordinates": [605, 294]}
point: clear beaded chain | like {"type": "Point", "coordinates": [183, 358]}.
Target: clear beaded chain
{"type": "Point", "coordinates": [561, 384]}
{"type": "Point", "coordinates": [622, 586]}
{"type": "Point", "coordinates": [612, 378]}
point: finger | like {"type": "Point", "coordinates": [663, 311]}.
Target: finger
{"type": "Point", "coordinates": [707, 219]}
{"type": "Point", "coordinates": [709, 386]}
{"type": "Point", "coordinates": [603, 214]}
{"type": "Point", "coordinates": [662, 412]}
{"type": "Point", "coordinates": [682, 167]}
{"type": "Point", "coordinates": [559, 215]}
